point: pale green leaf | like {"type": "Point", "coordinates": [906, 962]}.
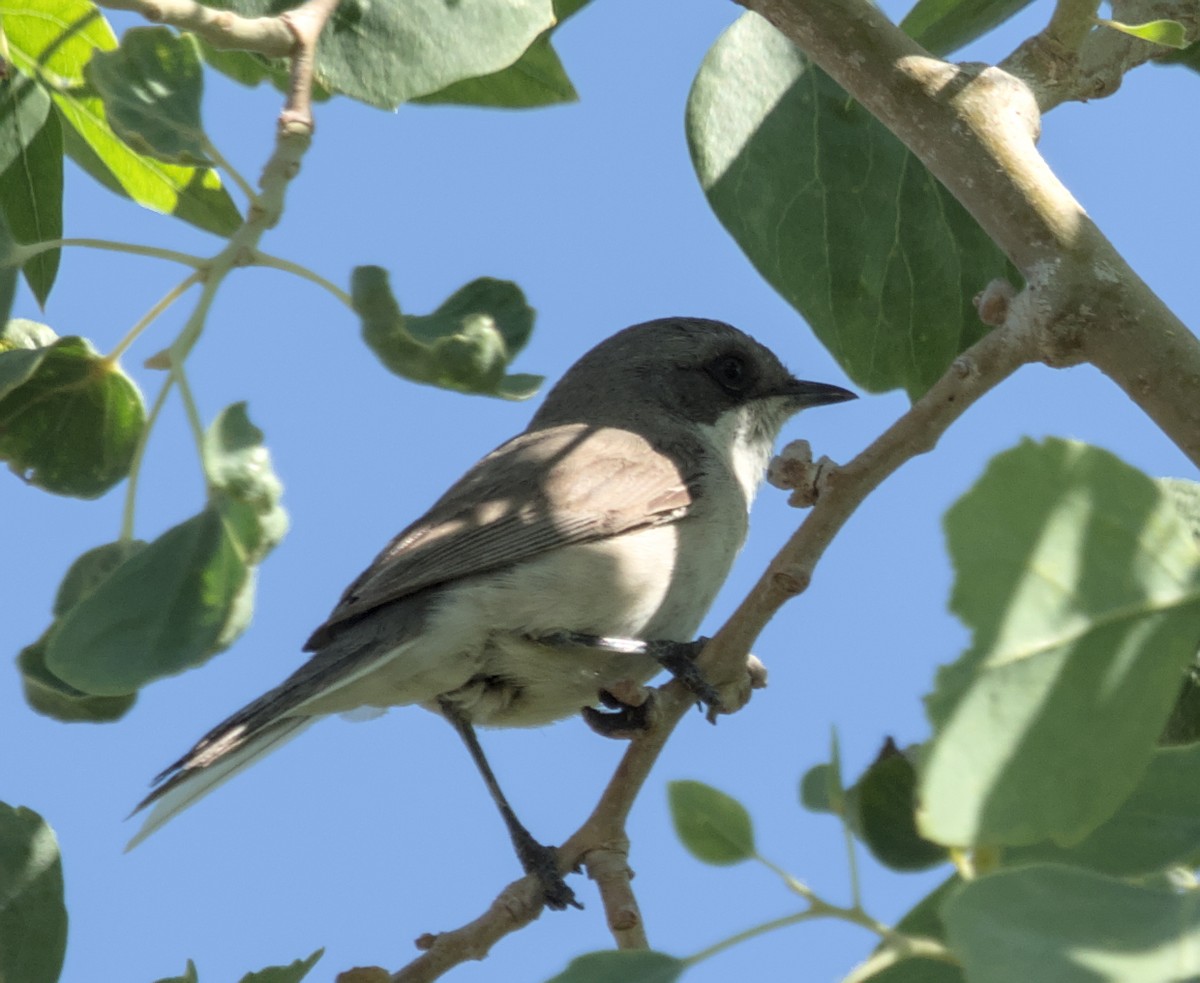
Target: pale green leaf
{"type": "Point", "coordinates": [1169, 33]}
{"type": "Point", "coordinates": [1081, 583]}
{"type": "Point", "coordinates": [1072, 926]}
{"type": "Point", "coordinates": [715, 827]}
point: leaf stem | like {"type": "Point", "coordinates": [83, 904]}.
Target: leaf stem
{"type": "Point", "coordinates": [287, 266]}
{"type": "Point", "coordinates": [151, 315]}
{"type": "Point", "coordinates": [19, 254]}
{"type": "Point", "coordinates": [750, 933]}
{"type": "Point", "coordinates": [234, 174]}
{"type": "Point", "coordinates": [139, 454]}
{"type": "Point", "coordinates": [852, 863]}
{"type": "Point", "coordinates": [793, 884]}
{"type": "Point", "coordinates": [195, 424]}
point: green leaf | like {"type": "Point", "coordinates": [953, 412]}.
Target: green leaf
{"type": "Point", "coordinates": [151, 87]}
{"type": "Point", "coordinates": [1156, 828]}
{"type": "Point", "coordinates": [536, 79]}
{"type": "Point", "coordinates": [8, 277]}
{"type": "Point", "coordinates": [916, 970]}
{"type": "Point", "coordinates": [925, 917]}
{"type": "Point", "coordinates": [835, 213]}
{"type": "Point", "coordinates": [292, 973]}
{"type": "Point", "coordinates": [187, 595]}
{"type": "Point", "coordinates": [24, 109]}
{"type": "Point", "coordinates": [465, 345]}
{"type": "Point", "coordinates": [714, 827]}
{"type": "Point", "coordinates": [44, 691]}
{"type": "Point", "coordinates": [72, 425]}
{"type": "Point", "coordinates": [31, 176]}
{"type": "Point", "coordinates": [385, 54]}
{"type": "Point", "coordinates": [33, 919]}
{"type": "Point", "coordinates": [189, 975]}
{"type": "Point", "coordinates": [1189, 57]}
{"type": "Point", "coordinates": [622, 966]}
{"type": "Point", "coordinates": [1183, 725]}
{"type": "Point", "coordinates": [1072, 926]}
{"type": "Point", "coordinates": [164, 610]}
{"type": "Point", "coordinates": [814, 790]}
{"type": "Point", "coordinates": [54, 40]}
{"type": "Point", "coordinates": [942, 26]}
{"type": "Point", "coordinates": [237, 462]}
{"type": "Point", "coordinates": [50, 696]}
{"type": "Point", "coordinates": [1169, 33]}
{"type": "Point", "coordinates": [90, 570]}
{"type": "Point", "coordinates": [881, 808]}
{"type": "Point", "coordinates": [1185, 496]}
{"type": "Point", "coordinates": [1082, 585]}
{"type": "Point", "coordinates": [19, 341]}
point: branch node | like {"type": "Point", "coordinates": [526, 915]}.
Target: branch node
{"type": "Point", "coordinates": [992, 304]}
{"type": "Point", "coordinates": [791, 583]}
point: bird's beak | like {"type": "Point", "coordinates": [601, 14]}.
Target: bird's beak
{"type": "Point", "coordinates": [805, 394]}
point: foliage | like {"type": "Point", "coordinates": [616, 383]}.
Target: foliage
{"type": "Point", "coordinates": [1062, 773]}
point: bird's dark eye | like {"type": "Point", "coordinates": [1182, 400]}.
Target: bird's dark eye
{"type": "Point", "coordinates": [730, 372]}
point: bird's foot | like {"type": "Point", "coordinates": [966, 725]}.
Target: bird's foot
{"type": "Point", "coordinates": [629, 708]}
{"type": "Point", "coordinates": [542, 862]}
{"type": "Point", "coordinates": [679, 659]}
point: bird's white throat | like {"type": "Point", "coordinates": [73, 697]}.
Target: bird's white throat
{"type": "Point", "coordinates": [744, 439]}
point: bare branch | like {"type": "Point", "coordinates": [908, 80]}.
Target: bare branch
{"type": "Point", "coordinates": [609, 868]}
{"type": "Point", "coordinates": [267, 36]}
{"type": "Point", "coordinates": [518, 905]}
{"type": "Point", "coordinates": [306, 23]}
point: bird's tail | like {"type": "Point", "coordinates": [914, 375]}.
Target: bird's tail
{"type": "Point", "coordinates": [215, 759]}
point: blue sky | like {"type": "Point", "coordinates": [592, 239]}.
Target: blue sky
{"type": "Point", "coordinates": [362, 836]}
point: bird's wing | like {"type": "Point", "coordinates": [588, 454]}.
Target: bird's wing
{"type": "Point", "coordinates": [541, 490]}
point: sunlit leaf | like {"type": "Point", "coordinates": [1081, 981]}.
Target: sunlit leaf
{"type": "Point", "coordinates": [1081, 583]}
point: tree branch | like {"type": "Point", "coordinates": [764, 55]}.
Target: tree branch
{"type": "Point", "coordinates": [974, 127]}
{"type": "Point", "coordinates": [1073, 59]}
{"type": "Point", "coordinates": [267, 36]}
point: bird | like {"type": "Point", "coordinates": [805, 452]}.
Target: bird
{"type": "Point", "coordinates": [575, 559]}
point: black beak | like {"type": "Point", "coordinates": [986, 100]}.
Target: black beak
{"type": "Point", "coordinates": [806, 394]}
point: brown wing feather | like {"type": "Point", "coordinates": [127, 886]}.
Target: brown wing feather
{"type": "Point", "coordinates": [539, 491]}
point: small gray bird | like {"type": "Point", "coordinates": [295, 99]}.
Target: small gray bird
{"type": "Point", "coordinates": [576, 558]}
